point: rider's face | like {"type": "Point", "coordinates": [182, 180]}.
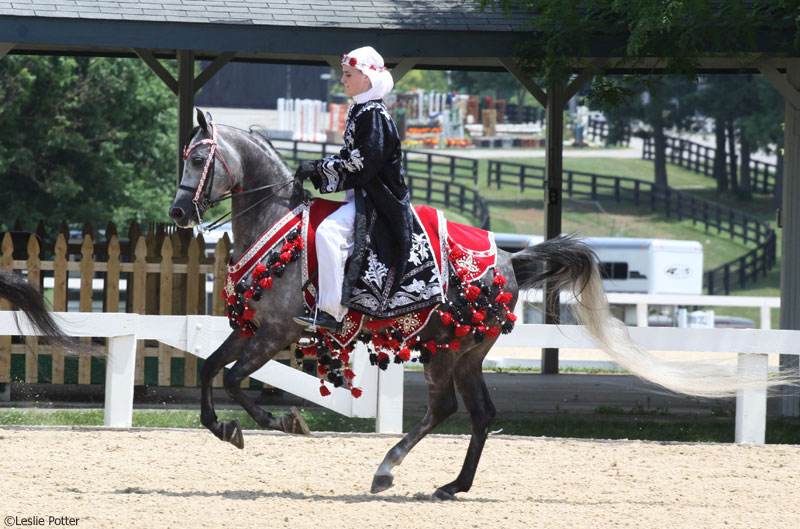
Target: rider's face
{"type": "Point", "coordinates": [354, 81]}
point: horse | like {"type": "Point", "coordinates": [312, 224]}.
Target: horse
{"type": "Point", "coordinates": [263, 189]}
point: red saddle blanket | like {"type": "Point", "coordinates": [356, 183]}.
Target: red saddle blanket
{"type": "Point", "coordinates": [472, 249]}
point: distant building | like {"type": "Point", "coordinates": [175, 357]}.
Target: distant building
{"type": "Point", "coordinates": [251, 85]}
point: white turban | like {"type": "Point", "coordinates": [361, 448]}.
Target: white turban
{"type": "Point", "coordinates": [370, 63]}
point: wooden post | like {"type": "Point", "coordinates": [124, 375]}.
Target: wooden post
{"type": "Point", "coordinates": [34, 267]}
{"type": "Point", "coordinates": [139, 300]}
{"type": "Point", "coordinates": [553, 207]}
{"type": "Point", "coordinates": [185, 101]}
{"type": "Point", "coordinates": [165, 307]}
{"type": "Point", "coordinates": [59, 300]}
{"type": "Point", "coordinates": [7, 266]}
{"type": "Point", "coordinates": [192, 272]}
{"type": "Point", "coordinates": [790, 261]}
{"type": "Point", "coordinates": [87, 274]}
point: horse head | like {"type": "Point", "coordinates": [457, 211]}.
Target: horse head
{"type": "Point", "coordinates": [206, 155]}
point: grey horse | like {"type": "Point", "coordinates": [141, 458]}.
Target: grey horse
{"type": "Point", "coordinates": [247, 162]}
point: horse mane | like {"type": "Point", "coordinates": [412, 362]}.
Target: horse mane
{"type": "Point", "coordinates": [259, 135]}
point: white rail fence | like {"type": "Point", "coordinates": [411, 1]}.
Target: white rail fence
{"type": "Point", "coordinates": [383, 391]}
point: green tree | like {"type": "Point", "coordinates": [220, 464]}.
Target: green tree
{"type": "Point", "coordinates": [660, 104]}
{"type": "Point", "coordinates": [84, 139]}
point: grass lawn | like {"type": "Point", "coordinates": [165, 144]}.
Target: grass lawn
{"type": "Point", "coordinates": [603, 424]}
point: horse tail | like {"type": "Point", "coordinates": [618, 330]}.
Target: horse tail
{"type": "Point", "coordinates": [571, 266]}
{"type": "Point", "coordinates": [29, 300]}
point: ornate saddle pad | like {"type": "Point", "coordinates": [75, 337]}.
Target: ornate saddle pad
{"type": "Point", "coordinates": [477, 255]}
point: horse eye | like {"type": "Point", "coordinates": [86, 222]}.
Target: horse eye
{"type": "Point", "coordinates": [197, 161]}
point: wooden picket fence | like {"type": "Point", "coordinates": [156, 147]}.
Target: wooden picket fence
{"type": "Point", "coordinates": [163, 271]}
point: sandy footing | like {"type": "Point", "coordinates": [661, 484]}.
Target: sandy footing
{"type": "Point", "coordinates": [189, 479]}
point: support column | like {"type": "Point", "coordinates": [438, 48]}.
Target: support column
{"type": "Point", "coordinates": [553, 166]}
{"type": "Point", "coordinates": [185, 101]}
{"type": "Point", "coordinates": [790, 233]}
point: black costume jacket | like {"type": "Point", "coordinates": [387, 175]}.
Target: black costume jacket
{"type": "Point", "coordinates": [392, 271]}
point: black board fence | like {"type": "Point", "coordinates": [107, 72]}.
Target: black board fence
{"type": "Point", "coordinates": [432, 177]}
{"type": "Point", "coordinates": [699, 159]}
{"type": "Point", "coordinates": [599, 129]}
{"type": "Point", "coordinates": [714, 217]}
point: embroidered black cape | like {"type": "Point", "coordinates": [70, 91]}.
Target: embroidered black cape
{"type": "Point", "coordinates": [392, 270]}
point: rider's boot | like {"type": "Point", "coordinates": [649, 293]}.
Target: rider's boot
{"type": "Point", "coordinates": [323, 321]}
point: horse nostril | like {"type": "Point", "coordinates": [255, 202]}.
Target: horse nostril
{"type": "Point", "coordinates": [176, 213]}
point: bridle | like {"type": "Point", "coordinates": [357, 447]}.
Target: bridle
{"type": "Point", "coordinates": [201, 197]}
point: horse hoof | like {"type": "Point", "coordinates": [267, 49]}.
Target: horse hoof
{"type": "Point", "coordinates": [443, 495]}
{"type": "Point", "coordinates": [381, 482]}
{"type": "Point", "coordinates": [235, 436]}
{"type": "Point", "coordinates": [294, 423]}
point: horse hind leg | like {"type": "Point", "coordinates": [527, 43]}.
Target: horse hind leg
{"type": "Point", "coordinates": [472, 388]}
{"type": "Point", "coordinates": [442, 403]}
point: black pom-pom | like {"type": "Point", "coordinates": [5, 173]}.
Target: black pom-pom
{"type": "Point", "coordinates": [507, 327]}
{"type": "Point", "coordinates": [295, 256]}
{"type": "Point", "coordinates": [482, 300]}
{"type": "Point", "coordinates": [272, 259]}
{"type": "Point", "coordinates": [336, 363]}
{"type": "Point", "coordinates": [424, 356]}
{"type": "Point", "coordinates": [257, 294]}
{"type": "Point", "coordinates": [373, 359]}
{"type": "Point", "coordinates": [479, 336]}
{"type": "Point", "coordinates": [322, 350]}
{"type": "Point", "coordinates": [384, 363]}
{"type": "Point", "coordinates": [485, 290]}
{"type": "Point", "coordinates": [233, 324]}
{"type": "Point", "coordinates": [293, 235]}
{"type": "Point", "coordinates": [338, 381]}
{"type": "Point", "coordinates": [397, 335]}
{"type": "Point", "coordinates": [239, 308]}
{"type": "Point", "coordinates": [398, 360]}
{"type": "Point", "coordinates": [331, 377]}
{"type": "Point", "coordinates": [278, 271]}
{"type": "Point", "coordinates": [324, 360]}
{"type": "Point", "coordinates": [240, 287]}
{"type": "Point", "coordinates": [298, 354]}
{"type": "Point", "coordinates": [364, 338]}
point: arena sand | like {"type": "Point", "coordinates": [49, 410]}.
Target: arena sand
{"type": "Point", "coordinates": [188, 479]}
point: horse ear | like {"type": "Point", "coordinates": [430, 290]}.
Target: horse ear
{"type": "Point", "coordinates": [209, 119]}
{"type": "Point", "coordinates": [201, 120]}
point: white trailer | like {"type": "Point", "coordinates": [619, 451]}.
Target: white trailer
{"type": "Point", "coordinates": [649, 266]}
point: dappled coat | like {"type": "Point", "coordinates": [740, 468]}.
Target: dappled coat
{"type": "Point", "coordinates": [392, 271]}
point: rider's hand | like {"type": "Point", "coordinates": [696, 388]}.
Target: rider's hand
{"type": "Point", "coordinates": [307, 169]}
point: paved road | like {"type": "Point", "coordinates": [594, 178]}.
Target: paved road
{"type": "Point", "coordinates": [512, 393]}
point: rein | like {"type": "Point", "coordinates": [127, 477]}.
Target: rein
{"type": "Point", "coordinates": [202, 193]}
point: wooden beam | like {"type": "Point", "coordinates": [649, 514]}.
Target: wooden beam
{"type": "Point", "coordinates": [553, 167]}
{"type": "Point", "coordinates": [790, 231]}
{"type": "Point", "coordinates": [780, 82]}
{"type": "Point", "coordinates": [223, 59]}
{"type": "Point", "coordinates": [402, 68]}
{"type": "Point", "coordinates": [185, 91]}
{"type": "Point", "coordinates": [583, 77]}
{"type": "Point", "coordinates": [335, 62]}
{"type": "Point", "coordinates": [530, 85]}
{"type": "Point", "coordinates": [157, 68]}
{"type": "Point", "coordinates": [5, 47]}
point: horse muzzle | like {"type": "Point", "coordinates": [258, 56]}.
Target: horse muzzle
{"type": "Point", "coordinates": [184, 214]}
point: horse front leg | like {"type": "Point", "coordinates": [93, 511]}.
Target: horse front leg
{"type": "Point", "coordinates": [229, 351]}
{"type": "Point", "coordinates": [253, 358]}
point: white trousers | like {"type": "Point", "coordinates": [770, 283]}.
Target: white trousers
{"type": "Point", "coordinates": [334, 244]}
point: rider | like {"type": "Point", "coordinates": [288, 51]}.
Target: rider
{"type": "Point", "coordinates": [376, 223]}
